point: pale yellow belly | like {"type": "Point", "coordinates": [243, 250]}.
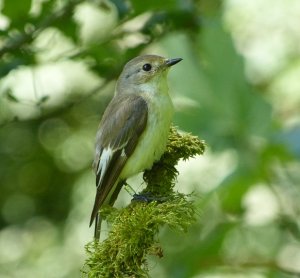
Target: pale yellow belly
{"type": "Point", "coordinates": [153, 141]}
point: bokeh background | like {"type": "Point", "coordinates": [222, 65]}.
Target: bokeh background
{"type": "Point", "coordinates": [238, 88]}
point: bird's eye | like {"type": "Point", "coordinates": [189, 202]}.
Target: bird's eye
{"type": "Point", "coordinates": [147, 67]}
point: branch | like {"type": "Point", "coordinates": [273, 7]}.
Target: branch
{"type": "Point", "coordinates": [134, 229]}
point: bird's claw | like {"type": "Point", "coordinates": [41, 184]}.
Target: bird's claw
{"type": "Point", "coordinates": [146, 197]}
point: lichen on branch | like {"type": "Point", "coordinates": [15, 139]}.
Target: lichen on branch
{"type": "Point", "coordinates": [134, 229]}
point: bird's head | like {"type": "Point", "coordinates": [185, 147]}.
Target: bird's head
{"type": "Point", "coordinates": [142, 71]}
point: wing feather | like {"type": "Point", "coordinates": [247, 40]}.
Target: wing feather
{"type": "Point", "coordinates": [120, 129]}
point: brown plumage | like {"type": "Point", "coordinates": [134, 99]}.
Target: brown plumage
{"type": "Point", "coordinates": [121, 135]}
{"type": "Point", "coordinates": [134, 128]}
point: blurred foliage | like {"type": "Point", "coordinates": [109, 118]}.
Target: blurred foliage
{"type": "Point", "coordinates": [59, 61]}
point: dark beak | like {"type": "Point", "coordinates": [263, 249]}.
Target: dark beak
{"type": "Point", "coordinates": [171, 62]}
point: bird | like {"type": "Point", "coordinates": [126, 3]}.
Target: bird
{"type": "Point", "coordinates": [134, 128]}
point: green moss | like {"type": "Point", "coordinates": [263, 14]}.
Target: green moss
{"type": "Point", "coordinates": [161, 178]}
{"type": "Point", "coordinates": [134, 229]}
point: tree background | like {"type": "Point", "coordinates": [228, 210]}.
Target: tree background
{"type": "Point", "coordinates": [237, 88]}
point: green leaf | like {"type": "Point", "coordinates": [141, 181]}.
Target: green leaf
{"type": "Point", "coordinates": [11, 97]}
{"type": "Point", "coordinates": [67, 26]}
{"type": "Point", "coordinates": [143, 6]}
{"type": "Point", "coordinates": [122, 6]}
{"type": "Point", "coordinates": [16, 11]}
{"type": "Point", "coordinates": [43, 99]}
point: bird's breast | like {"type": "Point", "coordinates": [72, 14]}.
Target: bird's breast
{"type": "Point", "coordinates": [153, 140]}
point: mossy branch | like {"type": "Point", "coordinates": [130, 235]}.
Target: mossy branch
{"type": "Point", "coordinates": [134, 229]}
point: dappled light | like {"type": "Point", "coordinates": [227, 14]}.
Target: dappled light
{"type": "Point", "coordinates": [237, 89]}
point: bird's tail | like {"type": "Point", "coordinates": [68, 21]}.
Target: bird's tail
{"type": "Point", "coordinates": [98, 202]}
{"type": "Point", "coordinates": [97, 231]}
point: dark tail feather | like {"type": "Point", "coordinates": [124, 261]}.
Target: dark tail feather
{"type": "Point", "coordinates": [95, 208]}
{"type": "Point", "coordinates": [96, 216]}
{"type": "Point", "coordinates": [97, 231]}
{"type": "Point", "coordinates": [95, 213]}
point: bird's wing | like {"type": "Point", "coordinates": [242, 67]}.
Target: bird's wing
{"type": "Point", "coordinates": [122, 124]}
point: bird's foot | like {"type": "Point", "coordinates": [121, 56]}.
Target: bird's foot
{"type": "Point", "coordinates": [129, 189]}
{"type": "Point", "coordinates": [147, 197]}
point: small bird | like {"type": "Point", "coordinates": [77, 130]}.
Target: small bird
{"type": "Point", "coordinates": [134, 129]}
